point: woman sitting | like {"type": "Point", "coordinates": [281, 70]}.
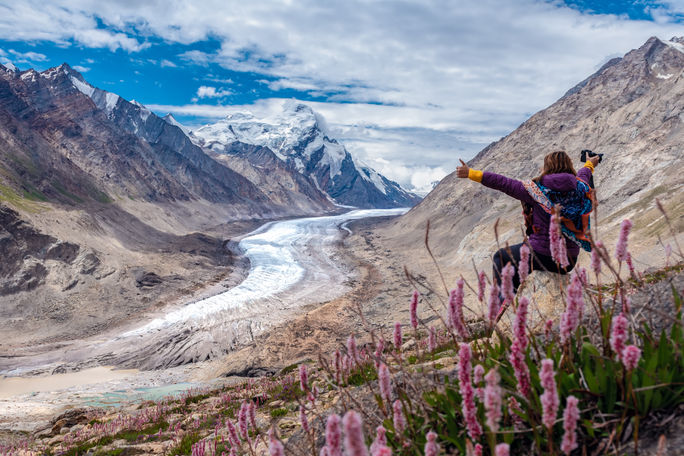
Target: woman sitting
{"type": "Point", "coordinates": [558, 186]}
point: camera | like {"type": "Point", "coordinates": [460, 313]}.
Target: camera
{"type": "Point", "coordinates": [587, 153]}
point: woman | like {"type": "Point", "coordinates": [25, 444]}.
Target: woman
{"type": "Point", "coordinates": [558, 181]}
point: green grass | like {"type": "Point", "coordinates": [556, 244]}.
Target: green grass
{"type": "Point", "coordinates": [9, 196]}
{"type": "Point", "coordinates": [185, 445]}
{"type": "Point", "coordinates": [60, 188]}
{"type": "Point", "coordinates": [277, 413]}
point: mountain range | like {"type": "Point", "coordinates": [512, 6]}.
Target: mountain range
{"type": "Point", "coordinates": [127, 193]}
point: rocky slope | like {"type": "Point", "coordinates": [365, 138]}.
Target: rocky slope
{"type": "Point", "coordinates": [119, 188]}
{"type": "Point", "coordinates": [299, 138]}
{"type": "Point", "coordinates": [632, 110]}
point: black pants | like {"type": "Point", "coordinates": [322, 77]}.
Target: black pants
{"type": "Point", "coordinates": [538, 261]}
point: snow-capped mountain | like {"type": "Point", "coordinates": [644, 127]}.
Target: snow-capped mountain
{"type": "Point", "coordinates": [299, 136]}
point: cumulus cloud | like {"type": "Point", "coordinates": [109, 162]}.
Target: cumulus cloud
{"type": "Point", "coordinates": [81, 69]}
{"type": "Point", "coordinates": [394, 74]}
{"type": "Point", "coordinates": [212, 92]}
{"type": "Point", "coordinates": [27, 57]}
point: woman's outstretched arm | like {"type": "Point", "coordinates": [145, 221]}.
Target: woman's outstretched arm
{"type": "Point", "coordinates": [511, 187]}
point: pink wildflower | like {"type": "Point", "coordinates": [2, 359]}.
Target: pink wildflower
{"type": "Point", "coordinates": [338, 367]}
{"type": "Point", "coordinates": [575, 304]}
{"type": "Point", "coordinates": [379, 347]}
{"type": "Point", "coordinates": [351, 349]}
{"type": "Point", "coordinates": [515, 411]}
{"type": "Point", "coordinates": [478, 377]}
{"type": "Point", "coordinates": [303, 377]}
{"type": "Point", "coordinates": [524, 265]}
{"type": "Point", "coordinates": [630, 265]}
{"type": "Point", "coordinates": [570, 416]}
{"type": "Point", "coordinates": [232, 433]}
{"type": "Point", "coordinates": [397, 336]}
{"type": "Point", "coordinates": [303, 419]}
{"type": "Point", "coordinates": [557, 241]}
{"type": "Point", "coordinates": [630, 357]}
{"type": "Point", "coordinates": [333, 434]}
{"type": "Point", "coordinates": [380, 439]}
{"type": "Point", "coordinates": [517, 356]}
{"type": "Point", "coordinates": [621, 247]}
{"type": "Point", "coordinates": [252, 414]}
{"type": "Point", "coordinates": [413, 310]}
{"type": "Point", "coordinates": [382, 451]}
{"type": "Point", "coordinates": [385, 383]}
{"type": "Point", "coordinates": [275, 447]}
{"type": "Point", "coordinates": [324, 451]}
{"type": "Point", "coordinates": [242, 420]}
{"type": "Point", "coordinates": [582, 273]}
{"type": "Point", "coordinates": [492, 400]}
{"type": "Point", "coordinates": [618, 334]}
{"type": "Point", "coordinates": [507, 284]}
{"type": "Point", "coordinates": [596, 257]}
{"type": "Point", "coordinates": [354, 443]}
{"type": "Point", "coordinates": [502, 449]}
{"type": "Point", "coordinates": [431, 447]}
{"type": "Point", "coordinates": [398, 420]}
{"type": "Point", "coordinates": [432, 340]}
{"type": "Point", "coordinates": [549, 398]}
{"type": "Point", "coordinates": [548, 327]}
{"type": "Point", "coordinates": [481, 285]}
{"type": "Point", "coordinates": [494, 303]}
{"type": "Point", "coordinates": [455, 316]}
{"type": "Point", "coordinates": [478, 450]}
{"type": "Point", "coordinates": [468, 395]}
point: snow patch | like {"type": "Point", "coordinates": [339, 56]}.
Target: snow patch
{"type": "Point", "coordinates": [111, 100]}
{"type": "Point", "coordinates": [29, 75]}
{"type": "Point", "coordinates": [83, 87]}
{"type": "Point", "coordinates": [675, 45]}
{"type": "Point", "coordinates": [664, 76]}
{"type": "Point", "coordinates": [172, 121]}
{"type": "Point", "coordinates": [10, 66]}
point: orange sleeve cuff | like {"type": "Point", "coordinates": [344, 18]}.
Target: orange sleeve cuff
{"type": "Point", "coordinates": [589, 165]}
{"type": "Point", "coordinates": [475, 175]}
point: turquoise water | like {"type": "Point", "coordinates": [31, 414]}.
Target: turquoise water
{"type": "Point", "coordinates": [123, 397]}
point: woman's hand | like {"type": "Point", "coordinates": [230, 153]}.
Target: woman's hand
{"type": "Point", "coordinates": [462, 171]}
{"type": "Point", "coordinates": [594, 160]}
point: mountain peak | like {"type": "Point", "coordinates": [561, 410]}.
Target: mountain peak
{"type": "Point", "coordinates": [169, 119]}
{"type": "Point", "coordinates": [9, 67]}
{"type": "Point", "coordinates": [299, 136]}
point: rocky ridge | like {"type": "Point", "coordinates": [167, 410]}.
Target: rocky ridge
{"type": "Point", "coordinates": [299, 137]}
{"type": "Point", "coordinates": [632, 110]}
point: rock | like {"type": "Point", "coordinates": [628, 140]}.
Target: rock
{"type": "Point", "coordinates": [147, 279]}
{"type": "Point", "coordinates": [76, 428]}
{"type": "Point", "coordinates": [56, 439]}
{"type": "Point", "coordinates": [47, 432]}
{"type": "Point", "coordinates": [408, 345]}
{"type": "Point", "coordinates": [546, 292]}
{"type": "Point", "coordinates": [65, 430]}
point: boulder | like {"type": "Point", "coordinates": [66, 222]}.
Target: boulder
{"type": "Point", "coordinates": [546, 293]}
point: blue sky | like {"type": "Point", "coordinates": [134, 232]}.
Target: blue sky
{"type": "Point", "coordinates": [408, 86]}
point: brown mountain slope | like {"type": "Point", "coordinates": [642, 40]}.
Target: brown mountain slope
{"type": "Point", "coordinates": [632, 110]}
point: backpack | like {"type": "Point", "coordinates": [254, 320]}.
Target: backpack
{"type": "Point", "coordinates": [576, 207]}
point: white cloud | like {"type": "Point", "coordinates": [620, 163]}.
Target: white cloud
{"type": "Point", "coordinates": [167, 64]}
{"type": "Point", "coordinates": [212, 92]}
{"type": "Point", "coordinates": [81, 69]}
{"type": "Point", "coordinates": [469, 71]}
{"type": "Point", "coordinates": [27, 57]}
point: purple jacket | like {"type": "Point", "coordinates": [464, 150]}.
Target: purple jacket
{"type": "Point", "coordinates": [560, 182]}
